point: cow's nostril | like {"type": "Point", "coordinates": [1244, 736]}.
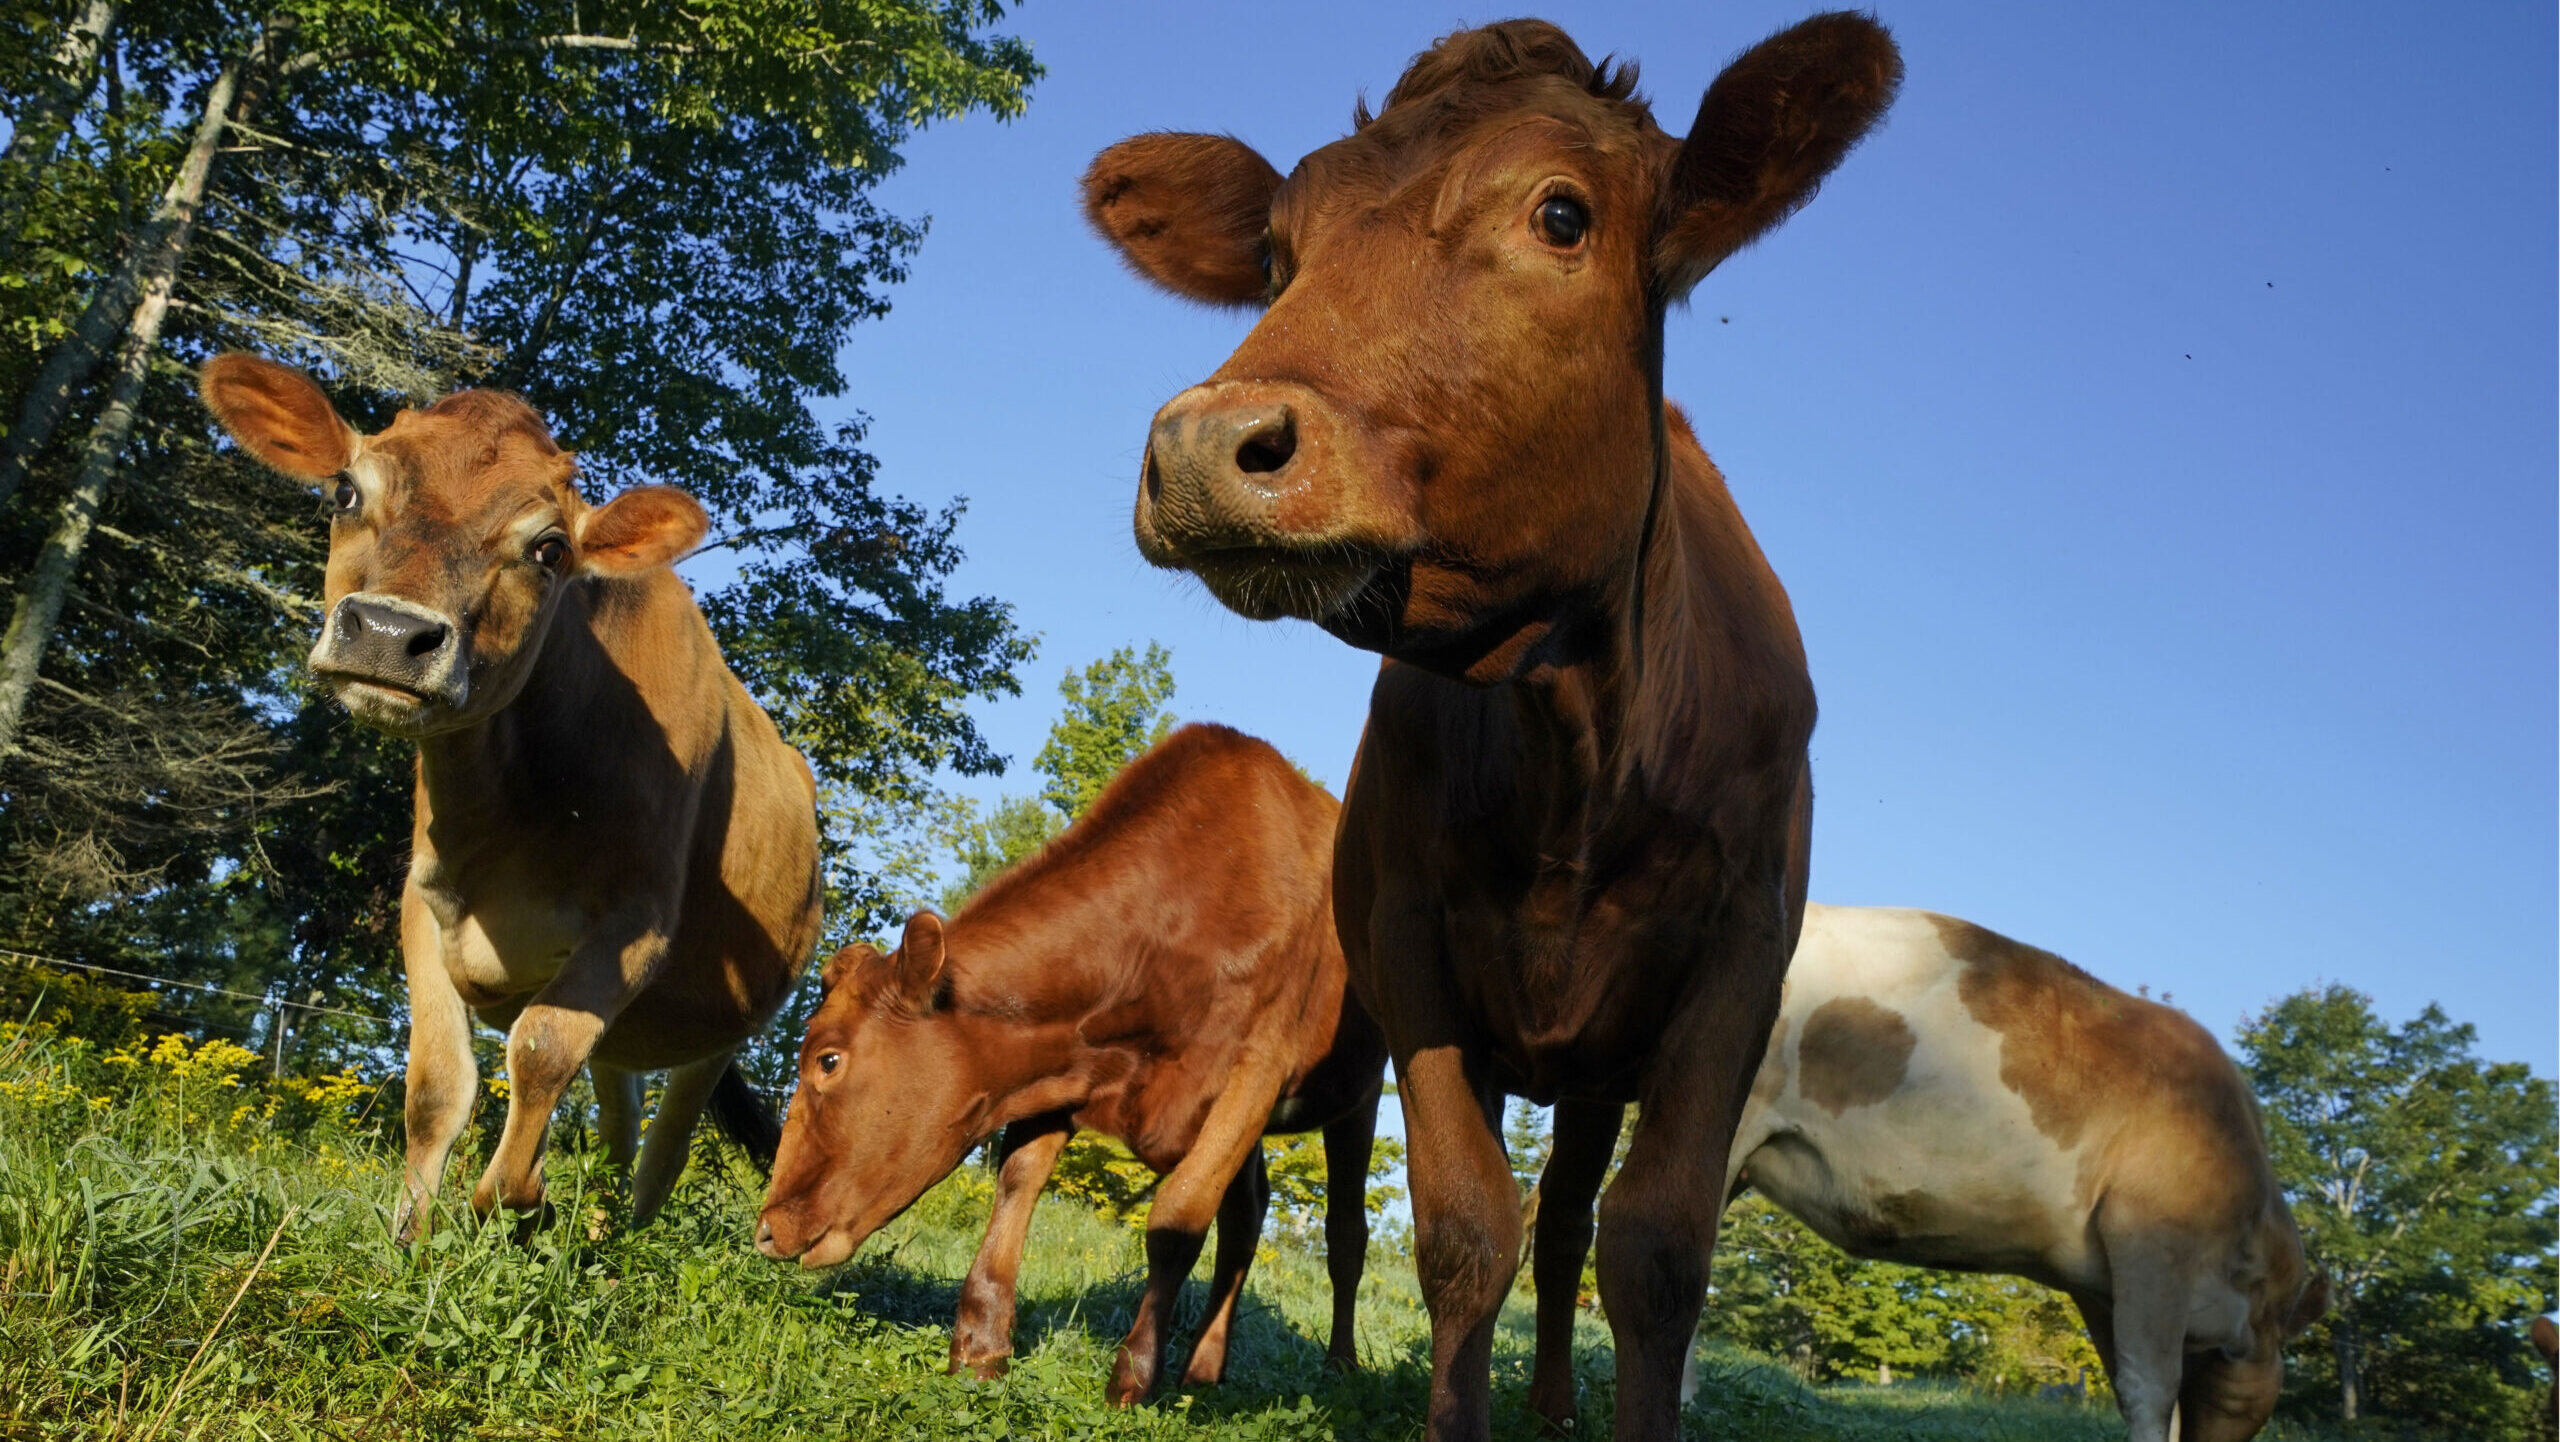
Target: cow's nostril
{"type": "Point", "coordinates": [425, 641]}
{"type": "Point", "coordinates": [1269, 445]}
{"type": "Point", "coordinates": [1152, 476]}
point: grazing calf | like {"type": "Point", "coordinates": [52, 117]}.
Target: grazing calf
{"type": "Point", "coordinates": [1166, 973]}
{"type": "Point", "coordinates": [1941, 1096]}
{"type": "Point", "coordinates": [1574, 843]}
{"type": "Point", "coordinates": [615, 855]}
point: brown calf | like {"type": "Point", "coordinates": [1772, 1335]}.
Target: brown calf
{"type": "Point", "coordinates": [1939, 1095]}
{"type": "Point", "coordinates": [1573, 851]}
{"type": "Point", "coordinates": [1166, 973]}
{"type": "Point", "coordinates": [615, 854]}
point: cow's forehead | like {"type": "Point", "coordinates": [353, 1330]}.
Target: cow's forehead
{"type": "Point", "coordinates": [465, 461]}
{"type": "Point", "coordinates": [1417, 139]}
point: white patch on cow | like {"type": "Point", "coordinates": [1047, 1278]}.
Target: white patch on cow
{"type": "Point", "coordinates": [1948, 1171]}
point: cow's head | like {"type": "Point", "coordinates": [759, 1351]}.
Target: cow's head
{"type": "Point", "coordinates": [891, 1098]}
{"type": "Point", "coordinates": [1440, 439]}
{"type": "Point", "coordinates": [2228, 1396]}
{"type": "Point", "coordinates": [450, 536]}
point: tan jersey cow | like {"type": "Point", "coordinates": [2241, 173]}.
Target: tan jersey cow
{"type": "Point", "coordinates": [1938, 1095]}
{"type": "Point", "coordinates": [615, 853]}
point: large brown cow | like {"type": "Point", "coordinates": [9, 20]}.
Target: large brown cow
{"type": "Point", "coordinates": [1939, 1095]}
{"type": "Point", "coordinates": [1573, 850]}
{"type": "Point", "coordinates": [1165, 972]}
{"type": "Point", "coordinates": [615, 853]}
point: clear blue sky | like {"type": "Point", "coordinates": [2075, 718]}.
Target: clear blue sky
{"type": "Point", "coordinates": [2154, 425]}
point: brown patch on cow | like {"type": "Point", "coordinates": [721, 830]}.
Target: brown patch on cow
{"type": "Point", "coordinates": [2068, 1039]}
{"type": "Point", "coordinates": [1854, 1054]}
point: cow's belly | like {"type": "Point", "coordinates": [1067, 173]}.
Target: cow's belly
{"type": "Point", "coordinates": [1934, 1191]}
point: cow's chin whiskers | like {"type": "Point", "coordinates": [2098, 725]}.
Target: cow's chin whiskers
{"type": "Point", "coordinates": [1268, 586]}
{"type": "Point", "coordinates": [388, 709]}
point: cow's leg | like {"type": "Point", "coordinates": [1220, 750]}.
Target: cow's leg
{"type": "Point", "coordinates": [1466, 1228]}
{"type": "Point", "coordinates": [669, 1144]}
{"type": "Point", "coordinates": [1658, 1221]}
{"type": "Point", "coordinates": [551, 1039]}
{"type": "Point", "coordinates": [982, 1337]}
{"type": "Point", "coordinates": [2147, 1280]}
{"type": "Point", "coordinates": [1586, 1137]}
{"type": "Point", "coordinates": [618, 1098]}
{"type": "Point", "coordinates": [1240, 1217]}
{"type": "Point", "coordinates": [1185, 1201]}
{"type": "Point", "coordinates": [443, 1079]}
{"type": "Point", "coordinates": [1348, 1141]}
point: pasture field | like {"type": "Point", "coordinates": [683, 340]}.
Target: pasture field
{"type": "Point", "coordinates": [185, 1255]}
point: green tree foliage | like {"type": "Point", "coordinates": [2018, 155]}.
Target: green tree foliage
{"type": "Point", "coordinates": [654, 221]}
{"type": "Point", "coordinates": [1782, 1291]}
{"type": "Point", "coordinates": [1115, 709]}
{"type": "Point", "coordinates": [2423, 1179]}
{"type": "Point", "coordinates": [1295, 1166]}
{"type": "Point", "coordinates": [986, 845]}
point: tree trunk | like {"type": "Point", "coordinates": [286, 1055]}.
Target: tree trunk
{"type": "Point", "coordinates": [40, 604]}
{"type": "Point", "coordinates": [48, 112]}
{"type": "Point", "coordinates": [158, 249]}
{"type": "Point", "coordinates": [2342, 1341]}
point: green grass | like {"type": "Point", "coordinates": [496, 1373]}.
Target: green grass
{"type": "Point", "coordinates": [167, 1273]}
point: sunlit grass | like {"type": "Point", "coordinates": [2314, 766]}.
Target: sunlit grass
{"type": "Point", "coordinates": [177, 1261]}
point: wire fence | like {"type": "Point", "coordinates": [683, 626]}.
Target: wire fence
{"type": "Point", "coordinates": [278, 1010]}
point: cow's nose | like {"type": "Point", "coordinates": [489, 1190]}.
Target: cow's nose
{"type": "Point", "coordinates": [1209, 448]}
{"type": "Point", "coordinates": [412, 637]}
{"type": "Point", "coordinates": [388, 641]}
{"type": "Point", "coordinates": [1236, 464]}
{"type": "Point", "coordinates": [765, 1242]}
{"type": "Point", "coordinates": [1265, 440]}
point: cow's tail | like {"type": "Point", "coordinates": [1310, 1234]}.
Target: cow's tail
{"type": "Point", "coordinates": [742, 1117]}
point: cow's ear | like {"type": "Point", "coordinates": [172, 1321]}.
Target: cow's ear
{"type": "Point", "coordinates": [278, 415]}
{"type": "Point", "coordinates": [1191, 213]}
{"type": "Point", "coordinates": [641, 529]}
{"type": "Point", "coordinates": [921, 962]}
{"type": "Point", "coordinates": [847, 962]}
{"type": "Point", "coordinates": [1771, 127]}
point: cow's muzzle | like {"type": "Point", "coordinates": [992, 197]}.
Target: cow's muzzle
{"type": "Point", "coordinates": [392, 662]}
{"type": "Point", "coordinates": [1259, 488]}
{"type": "Point", "coordinates": [793, 1241]}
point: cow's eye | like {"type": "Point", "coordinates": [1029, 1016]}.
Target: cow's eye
{"type": "Point", "coordinates": [828, 1061]}
{"type": "Point", "coordinates": [1562, 220]}
{"type": "Point", "coordinates": [346, 496]}
{"type": "Point", "coordinates": [548, 551]}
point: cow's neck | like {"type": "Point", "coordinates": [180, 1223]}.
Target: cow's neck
{"type": "Point", "coordinates": [1030, 1035]}
{"type": "Point", "coordinates": [1693, 677]}
{"type": "Point", "coordinates": [545, 737]}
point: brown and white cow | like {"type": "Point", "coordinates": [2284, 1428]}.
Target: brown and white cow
{"type": "Point", "coordinates": [1941, 1096]}
{"type": "Point", "coordinates": [615, 853]}
{"type": "Point", "coordinates": [1573, 849]}
{"type": "Point", "coordinates": [1164, 972]}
